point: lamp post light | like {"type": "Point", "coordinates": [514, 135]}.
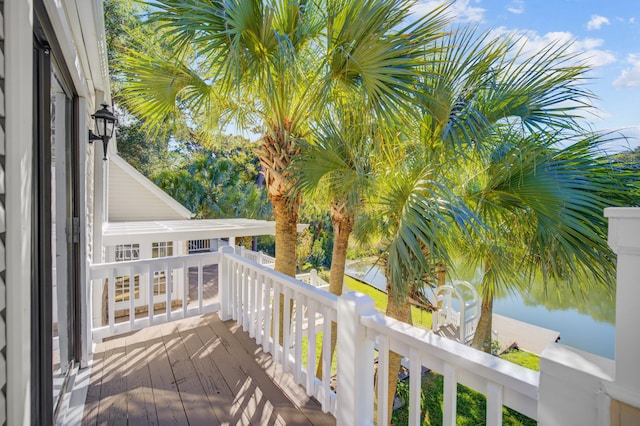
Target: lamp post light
{"type": "Point", "coordinates": [105, 123]}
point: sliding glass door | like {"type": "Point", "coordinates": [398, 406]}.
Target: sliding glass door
{"type": "Point", "coordinates": [55, 238]}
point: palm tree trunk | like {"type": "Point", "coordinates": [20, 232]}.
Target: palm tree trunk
{"type": "Point", "coordinates": [342, 228]}
{"type": "Point", "coordinates": [286, 214]}
{"type": "Point", "coordinates": [441, 276]}
{"type": "Point", "coordinates": [482, 336]}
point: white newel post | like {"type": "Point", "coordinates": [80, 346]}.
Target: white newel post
{"type": "Point", "coordinates": [224, 283]}
{"type": "Point", "coordinates": [577, 387]}
{"type": "Point", "coordinates": [624, 240]}
{"type": "Point", "coordinates": [355, 361]}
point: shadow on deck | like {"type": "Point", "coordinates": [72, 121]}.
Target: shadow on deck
{"type": "Point", "coordinates": [196, 371]}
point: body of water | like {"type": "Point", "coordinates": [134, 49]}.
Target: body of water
{"type": "Point", "coordinates": [587, 325]}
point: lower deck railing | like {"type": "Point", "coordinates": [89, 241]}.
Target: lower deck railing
{"type": "Point", "coordinates": [135, 294]}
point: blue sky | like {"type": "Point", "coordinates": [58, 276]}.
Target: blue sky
{"type": "Point", "coordinates": [606, 31]}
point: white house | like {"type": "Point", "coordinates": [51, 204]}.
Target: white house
{"type": "Point", "coordinates": [66, 231]}
{"type": "Point", "coordinates": [63, 207]}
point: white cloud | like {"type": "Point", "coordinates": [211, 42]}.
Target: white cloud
{"type": "Point", "coordinates": [596, 22]}
{"type": "Point", "coordinates": [462, 10]}
{"type": "Point", "coordinates": [632, 20]}
{"type": "Point", "coordinates": [588, 48]}
{"type": "Point", "coordinates": [630, 77]}
{"type": "Point", "coordinates": [516, 7]}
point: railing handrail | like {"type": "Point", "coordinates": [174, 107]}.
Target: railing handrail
{"type": "Point", "coordinates": [479, 363]}
{"type": "Point", "coordinates": [362, 329]}
{"type": "Point", "coordinates": [323, 297]}
{"type": "Point", "coordinates": [98, 270]}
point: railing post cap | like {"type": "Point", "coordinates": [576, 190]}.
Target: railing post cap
{"type": "Point", "coordinates": [624, 229]}
{"type": "Point", "coordinates": [360, 300]}
{"type": "Point", "coordinates": [226, 249]}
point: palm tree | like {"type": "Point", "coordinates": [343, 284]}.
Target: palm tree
{"type": "Point", "coordinates": [337, 168]}
{"type": "Point", "coordinates": [473, 86]}
{"type": "Point", "coordinates": [483, 86]}
{"type": "Point", "coordinates": [272, 64]}
{"type": "Point", "coordinates": [543, 206]}
{"type": "Point", "coordinates": [411, 208]}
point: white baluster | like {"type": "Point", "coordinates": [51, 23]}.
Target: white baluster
{"type": "Point", "coordinates": [311, 348]}
{"type": "Point", "coordinates": [450, 395]}
{"type": "Point", "coordinates": [326, 357]}
{"type": "Point", "coordinates": [415, 381]}
{"type": "Point", "coordinates": [494, 404]}
{"type": "Point", "coordinates": [111, 298]}
{"type": "Point", "coordinates": [132, 299]}
{"type": "Point", "coordinates": [259, 308]}
{"type": "Point", "coordinates": [383, 383]}
{"type": "Point", "coordinates": [298, 339]}
{"type": "Point", "coordinates": [286, 330]}
{"type": "Point", "coordinates": [167, 288]}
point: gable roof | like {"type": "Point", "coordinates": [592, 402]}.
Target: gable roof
{"type": "Point", "coordinates": [133, 197]}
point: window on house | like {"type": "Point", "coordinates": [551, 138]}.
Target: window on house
{"type": "Point", "coordinates": [161, 249]}
{"type": "Point", "coordinates": [126, 252]}
{"type": "Point", "coordinates": [122, 288]}
{"type": "Point", "coordinates": [123, 253]}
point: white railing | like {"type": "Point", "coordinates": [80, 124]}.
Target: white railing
{"type": "Point", "coordinates": [256, 256]}
{"type": "Point", "coordinates": [361, 329]}
{"type": "Point", "coordinates": [314, 279]}
{"type": "Point", "coordinates": [253, 295]}
{"type": "Point", "coordinates": [148, 281]}
{"type": "Point", "coordinates": [258, 298]}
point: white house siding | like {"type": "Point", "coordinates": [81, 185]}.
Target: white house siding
{"type": "Point", "coordinates": [132, 197]}
{"type": "Point", "coordinates": [3, 364]}
{"type": "Point", "coordinates": [18, 94]}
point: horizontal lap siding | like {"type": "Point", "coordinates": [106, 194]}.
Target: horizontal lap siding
{"type": "Point", "coordinates": [129, 200]}
{"type": "Point", "coordinates": [3, 340]}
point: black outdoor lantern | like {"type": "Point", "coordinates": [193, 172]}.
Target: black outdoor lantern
{"type": "Point", "coordinates": [105, 122]}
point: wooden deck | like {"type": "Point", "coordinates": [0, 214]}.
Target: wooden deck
{"type": "Point", "coordinates": [196, 371]}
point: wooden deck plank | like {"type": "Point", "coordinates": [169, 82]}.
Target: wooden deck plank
{"type": "Point", "coordinates": [215, 387]}
{"type": "Point", "coordinates": [284, 381]}
{"type": "Point", "coordinates": [167, 399]}
{"type": "Point", "coordinates": [283, 406]}
{"type": "Point", "coordinates": [92, 401]}
{"type": "Point", "coordinates": [141, 408]}
{"type": "Point", "coordinates": [113, 398]}
{"type": "Point", "coordinates": [197, 409]}
{"type": "Point", "coordinates": [247, 402]}
{"type": "Point", "coordinates": [190, 372]}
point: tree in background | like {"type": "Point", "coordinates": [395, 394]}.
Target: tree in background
{"type": "Point", "coordinates": [271, 65]}
{"type": "Point", "coordinates": [543, 209]}
{"type": "Point", "coordinates": [211, 183]}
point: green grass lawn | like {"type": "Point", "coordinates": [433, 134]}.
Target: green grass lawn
{"type": "Point", "coordinates": [525, 359]}
{"type": "Point", "coordinates": [420, 317]}
{"type": "Point", "coordinates": [471, 406]}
